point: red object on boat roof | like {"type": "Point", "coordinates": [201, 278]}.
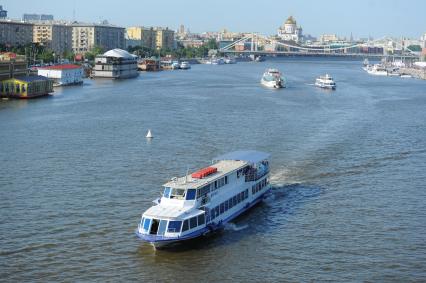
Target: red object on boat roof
{"type": "Point", "coordinates": [200, 174]}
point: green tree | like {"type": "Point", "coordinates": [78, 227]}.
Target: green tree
{"type": "Point", "coordinates": [46, 56]}
{"type": "Point", "coordinates": [67, 54]}
{"type": "Point", "coordinates": [93, 53]}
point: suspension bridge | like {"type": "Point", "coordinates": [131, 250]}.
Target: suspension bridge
{"type": "Point", "coordinates": [258, 42]}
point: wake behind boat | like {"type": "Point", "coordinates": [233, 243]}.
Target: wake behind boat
{"type": "Point", "coordinates": [325, 82]}
{"type": "Point", "coordinates": [204, 201]}
{"type": "Point", "coordinates": [272, 78]}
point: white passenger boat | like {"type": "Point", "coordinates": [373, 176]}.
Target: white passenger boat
{"type": "Point", "coordinates": [272, 78]}
{"type": "Point", "coordinates": [377, 70]}
{"type": "Point", "coordinates": [175, 65]}
{"type": "Point", "coordinates": [325, 82]}
{"type": "Point", "coordinates": [230, 60]}
{"type": "Point", "coordinates": [185, 65]}
{"type": "Point", "coordinates": [204, 201]}
{"type": "Point", "coordinates": [217, 61]}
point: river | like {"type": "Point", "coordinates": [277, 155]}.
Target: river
{"type": "Point", "coordinates": [348, 169]}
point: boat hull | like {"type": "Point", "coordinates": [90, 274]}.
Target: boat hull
{"type": "Point", "coordinates": [325, 86]}
{"type": "Point", "coordinates": [271, 84]}
{"type": "Point", "coordinates": [159, 242]}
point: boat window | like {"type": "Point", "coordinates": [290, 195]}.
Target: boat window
{"type": "Point", "coordinates": [238, 198]}
{"type": "Point", "coordinates": [226, 205]}
{"type": "Point", "coordinates": [222, 208]}
{"type": "Point", "coordinates": [201, 219]}
{"type": "Point", "coordinates": [174, 226]}
{"type": "Point", "coordinates": [185, 225]}
{"type": "Point", "coordinates": [190, 194]}
{"type": "Point", "coordinates": [177, 193]}
{"type": "Point", "coordinates": [231, 204]}
{"type": "Point", "coordinates": [217, 211]}
{"type": "Point", "coordinates": [146, 224]}
{"type": "Point", "coordinates": [154, 226]}
{"type": "Point", "coordinates": [193, 222]}
{"type": "Point", "coordinates": [162, 227]}
{"type": "Point", "coordinates": [246, 194]}
{"type": "Point", "coordinates": [226, 179]}
{"type": "Point", "coordinates": [166, 193]}
{"type": "Point", "coordinates": [212, 213]}
{"type": "Point", "coordinates": [203, 191]}
{"type": "Point", "coordinates": [234, 200]}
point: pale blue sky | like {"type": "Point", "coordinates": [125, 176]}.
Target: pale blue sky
{"type": "Point", "coordinates": [361, 17]}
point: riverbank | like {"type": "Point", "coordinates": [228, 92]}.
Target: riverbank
{"type": "Point", "coordinates": [415, 73]}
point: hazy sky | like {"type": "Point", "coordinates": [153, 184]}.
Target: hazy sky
{"type": "Point", "coordinates": [361, 17]}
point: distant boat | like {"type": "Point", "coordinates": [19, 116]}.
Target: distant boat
{"type": "Point", "coordinates": [377, 70]}
{"type": "Point", "coordinates": [325, 82]}
{"type": "Point", "coordinates": [149, 135]}
{"type": "Point", "coordinates": [230, 60]}
{"type": "Point", "coordinates": [217, 61]}
{"type": "Point", "coordinates": [366, 62]}
{"type": "Point", "coordinates": [272, 78]}
{"type": "Point", "coordinates": [175, 65]}
{"type": "Point", "coordinates": [185, 65]}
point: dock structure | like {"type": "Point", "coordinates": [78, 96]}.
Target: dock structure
{"type": "Point", "coordinates": [414, 72]}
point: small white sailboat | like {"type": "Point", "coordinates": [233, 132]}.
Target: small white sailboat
{"type": "Point", "coordinates": [149, 134]}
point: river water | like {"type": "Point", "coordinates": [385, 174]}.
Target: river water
{"type": "Point", "coordinates": [348, 174]}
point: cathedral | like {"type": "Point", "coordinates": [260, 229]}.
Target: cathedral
{"type": "Point", "coordinates": [289, 31]}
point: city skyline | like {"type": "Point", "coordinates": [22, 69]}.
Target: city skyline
{"type": "Point", "coordinates": [362, 19]}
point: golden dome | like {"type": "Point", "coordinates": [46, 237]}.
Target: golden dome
{"type": "Point", "coordinates": [290, 21]}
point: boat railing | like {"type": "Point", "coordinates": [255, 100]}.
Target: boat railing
{"type": "Point", "coordinates": [254, 174]}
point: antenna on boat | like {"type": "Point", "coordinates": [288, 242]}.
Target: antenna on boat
{"type": "Point", "coordinates": [186, 175]}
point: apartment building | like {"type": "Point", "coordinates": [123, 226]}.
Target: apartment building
{"type": "Point", "coordinates": [15, 32]}
{"type": "Point", "coordinates": [55, 36]}
{"type": "Point", "coordinates": [87, 36]}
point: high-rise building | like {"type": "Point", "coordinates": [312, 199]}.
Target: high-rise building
{"type": "Point", "coordinates": [87, 36]}
{"type": "Point", "coordinates": [54, 36]}
{"type": "Point", "coordinates": [15, 33]}
{"type": "Point", "coordinates": [36, 17]}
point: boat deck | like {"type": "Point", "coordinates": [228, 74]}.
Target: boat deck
{"type": "Point", "coordinates": [224, 167]}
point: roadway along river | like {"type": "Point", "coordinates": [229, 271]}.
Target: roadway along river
{"type": "Point", "coordinates": [348, 169]}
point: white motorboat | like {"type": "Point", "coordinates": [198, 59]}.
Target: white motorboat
{"type": "Point", "coordinates": [377, 70]}
{"type": "Point", "coordinates": [217, 61]}
{"type": "Point", "coordinates": [230, 60]}
{"type": "Point", "coordinates": [185, 65]}
{"type": "Point", "coordinates": [175, 65]}
{"type": "Point", "coordinates": [325, 82]}
{"type": "Point", "coordinates": [204, 201]}
{"type": "Point", "coordinates": [272, 78]}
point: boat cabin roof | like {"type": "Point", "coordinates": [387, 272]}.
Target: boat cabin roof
{"type": "Point", "coordinates": [250, 156]}
{"type": "Point", "coordinates": [224, 167]}
{"type": "Point", "coordinates": [273, 71]}
{"type": "Point", "coordinates": [171, 211]}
